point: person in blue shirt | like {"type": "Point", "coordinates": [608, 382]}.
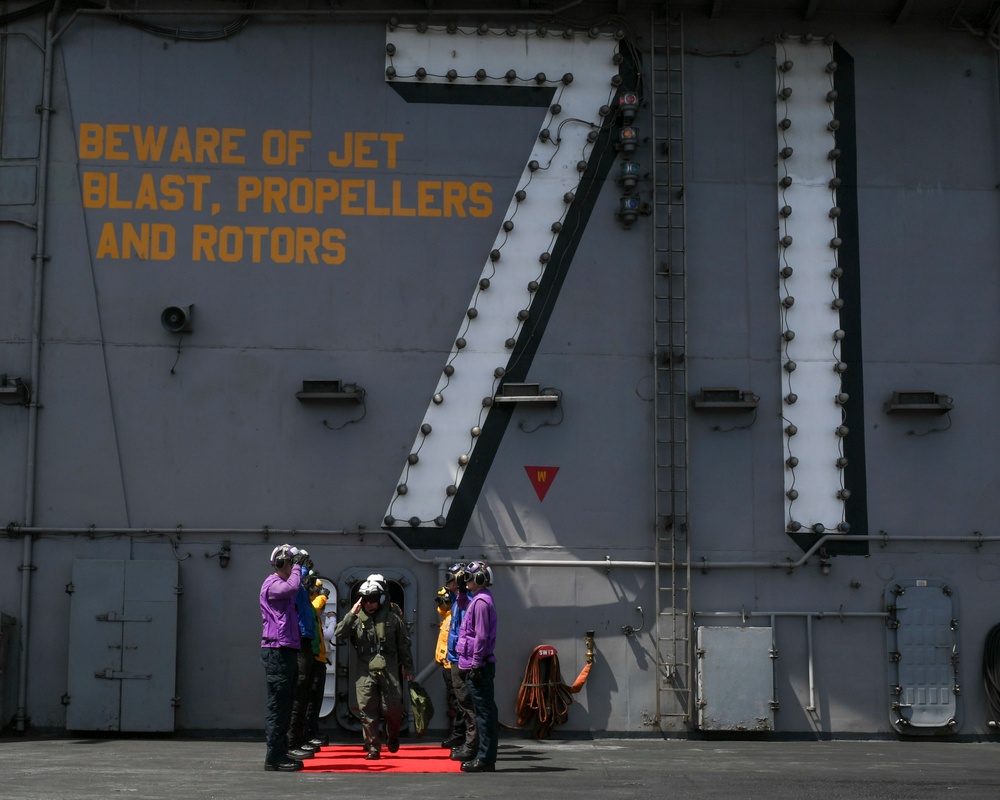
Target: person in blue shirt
{"type": "Point", "coordinates": [298, 747]}
{"type": "Point", "coordinates": [477, 637]}
{"type": "Point", "coordinates": [469, 746]}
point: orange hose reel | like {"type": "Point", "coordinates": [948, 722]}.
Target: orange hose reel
{"type": "Point", "coordinates": [543, 700]}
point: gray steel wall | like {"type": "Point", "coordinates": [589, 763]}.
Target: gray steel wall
{"type": "Point", "coordinates": [222, 443]}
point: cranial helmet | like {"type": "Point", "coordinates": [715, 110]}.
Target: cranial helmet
{"type": "Point", "coordinates": [444, 599]}
{"type": "Point", "coordinates": [455, 571]}
{"type": "Point", "coordinates": [478, 573]}
{"type": "Point", "coordinates": [282, 555]}
{"type": "Point", "coordinates": [372, 589]}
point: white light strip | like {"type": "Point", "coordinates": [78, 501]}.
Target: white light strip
{"type": "Point", "coordinates": [433, 54]}
{"type": "Point", "coordinates": [808, 293]}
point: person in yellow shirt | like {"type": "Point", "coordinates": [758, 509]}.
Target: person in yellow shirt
{"type": "Point", "coordinates": [318, 595]}
{"type": "Point", "coordinates": [457, 719]}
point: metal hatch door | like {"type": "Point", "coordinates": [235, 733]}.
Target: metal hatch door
{"type": "Point", "coordinates": [122, 647]}
{"type": "Point", "coordinates": [735, 674]}
{"type": "Point", "coordinates": [922, 644]}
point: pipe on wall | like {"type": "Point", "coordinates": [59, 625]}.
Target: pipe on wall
{"type": "Point", "coordinates": [27, 567]}
{"type": "Point", "coordinates": [359, 14]}
{"type": "Point", "coordinates": [705, 565]}
{"type": "Point", "coordinates": [440, 561]}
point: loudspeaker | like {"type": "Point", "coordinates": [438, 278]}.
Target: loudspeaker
{"type": "Point", "coordinates": [177, 319]}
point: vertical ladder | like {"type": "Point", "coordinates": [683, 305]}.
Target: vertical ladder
{"type": "Point", "coordinates": [674, 694]}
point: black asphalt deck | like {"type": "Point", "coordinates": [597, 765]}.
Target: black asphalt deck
{"type": "Point", "coordinates": [212, 769]}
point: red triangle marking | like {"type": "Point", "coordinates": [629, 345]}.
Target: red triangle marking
{"type": "Point", "coordinates": [541, 478]}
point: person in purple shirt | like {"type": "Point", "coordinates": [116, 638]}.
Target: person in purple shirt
{"type": "Point", "coordinates": [279, 647]}
{"type": "Point", "coordinates": [477, 638]}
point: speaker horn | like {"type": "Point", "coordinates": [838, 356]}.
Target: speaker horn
{"type": "Point", "coordinates": [177, 319]}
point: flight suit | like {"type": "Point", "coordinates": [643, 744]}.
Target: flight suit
{"type": "Point", "coordinates": [382, 644]}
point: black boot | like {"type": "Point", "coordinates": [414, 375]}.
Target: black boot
{"type": "Point", "coordinates": [284, 766]}
{"type": "Point", "coordinates": [462, 754]}
{"type": "Point", "coordinates": [478, 765]}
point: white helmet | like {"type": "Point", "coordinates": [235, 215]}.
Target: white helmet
{"type": "Point", "coordinates": [372, 588]}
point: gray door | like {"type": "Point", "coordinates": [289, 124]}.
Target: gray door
{"type": "Point", "coordinates": [122, 647]}
{"type": "Point", "coordinates": [735, 675]}
{"type": "Point", "coordinates": [922, 643]}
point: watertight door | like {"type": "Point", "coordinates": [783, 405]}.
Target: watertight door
{"type": "Point", "coordinates": [735, 679]}
{"type": "Point", "coordinates": [922, 643]}
{"type": "Point", "coordinates": [122, 647]}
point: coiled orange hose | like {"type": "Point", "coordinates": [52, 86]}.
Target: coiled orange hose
{"type": "Point", "coordinates": [543, 700]}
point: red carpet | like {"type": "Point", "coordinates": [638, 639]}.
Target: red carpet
{"type": "Point", "coordinates": [409, 758]}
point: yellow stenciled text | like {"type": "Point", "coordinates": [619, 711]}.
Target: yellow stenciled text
{"type": "Point", "coordinates": [120, 142]}
{"type": "Point", "coordinates": [357, 197]}
{"type": "Point", "coordinates": [147, 173]}
{"type": "Point", "coordinates": [282, 245]}
{"type": "Point", "coordinates": [365, 150]}
{"type": "Point", "coordinates": [165, 193]}
{"type": "Point", "coordinates": [152, 241]}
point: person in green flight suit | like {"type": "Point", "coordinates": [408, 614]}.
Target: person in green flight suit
{"type": "Point", "coordinates": [382, 643]}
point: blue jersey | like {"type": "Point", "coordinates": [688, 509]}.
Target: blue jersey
{"type": "Point", "coordinates": [457, 613]}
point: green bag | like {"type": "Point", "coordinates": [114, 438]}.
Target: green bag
{"type": "Point", "coordinates": [421, 707]}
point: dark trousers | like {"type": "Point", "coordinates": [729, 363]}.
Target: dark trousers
{"type": "Point", "coordinates": [297, 724]}
{"type": "Point", "coordinates": [456, 719]}
{"type": "Point", "coordinates": [317, 686]}
{"type": "Point", "coordinates": [281, 670]}
{"type": "Point", "coordinates": [487, 716]}
{"type": "Point", "coordinates": [466, 708]}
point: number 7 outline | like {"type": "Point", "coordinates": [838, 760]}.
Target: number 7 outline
{"type": "Point", "coordinates": [499, 335]}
